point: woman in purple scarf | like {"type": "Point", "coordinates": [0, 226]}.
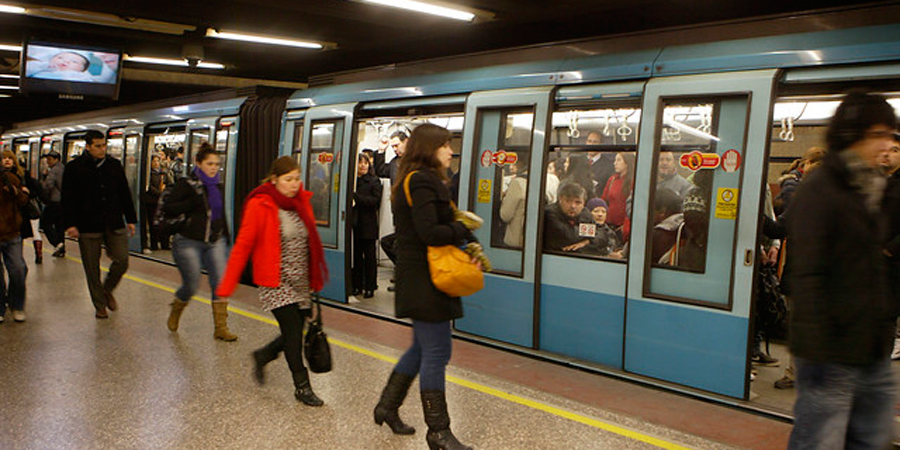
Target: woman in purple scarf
{"type": "Point", "coordinates": [201, 242]}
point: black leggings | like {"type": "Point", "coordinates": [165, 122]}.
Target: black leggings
{"type": "Point", "coordinates": [291, 320]}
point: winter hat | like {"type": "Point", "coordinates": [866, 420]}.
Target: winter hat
{"type": "Point", "coordinates": [595, 202]}
{"type": "Point", "coordinates": [694, 202]}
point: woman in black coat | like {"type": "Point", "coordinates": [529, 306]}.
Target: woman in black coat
{"type": "Point", "coordinates": [429, 221]}
{"type": "Point", "coordinates": [364, 217]}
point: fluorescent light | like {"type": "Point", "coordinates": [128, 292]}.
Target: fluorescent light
{"type": "Point", "coordinates": [12, 9]}
{"type": "Point", "coordinates": [11, 88]}
{"type": "Point", "coordinates": [11, 48]}
{"type": "Point", "coordinates": [426, 8]}
{"type": "Point", "coordinates": [261, 39]}
{"type": "Point", "coordinates": [5, 96]}
{"type": "Point", "coordinates": [6, 75]}
{"type": "Point", "coordinates": [172, 62]}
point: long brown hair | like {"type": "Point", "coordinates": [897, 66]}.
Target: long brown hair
{"type": "Point", "coordinates": [280, 167]}
{"type": "Point", "coordinates": [421, 153]}
{"type": "Point", "coordinates": [16, 168]}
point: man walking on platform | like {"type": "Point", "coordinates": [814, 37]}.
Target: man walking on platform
{"type": "Point", "coordinates": [95, 198]}
{"type": "Point", "coordinates": [844, 317]}
{"type": "Point", "coordinates": [51, 219]}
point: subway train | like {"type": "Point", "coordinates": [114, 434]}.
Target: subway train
{"type": "Point", "coordinates": [616, 119]}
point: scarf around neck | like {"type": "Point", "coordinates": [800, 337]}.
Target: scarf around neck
{"type": "Point", "coordinates": [318, 270]}
{"type": "Point", "coordinates": [869, 181]}
{"type": "Point", "coordinates": [213, 194]}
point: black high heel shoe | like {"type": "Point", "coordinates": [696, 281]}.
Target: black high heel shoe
{"type": "Point", "coordinates": [368, 294]}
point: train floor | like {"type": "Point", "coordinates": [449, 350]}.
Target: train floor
{"type": "Point", "coordinates": [70, 381]}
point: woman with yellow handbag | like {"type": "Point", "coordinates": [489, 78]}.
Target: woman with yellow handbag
{"type": "Point", "coordinates": [428, 220]}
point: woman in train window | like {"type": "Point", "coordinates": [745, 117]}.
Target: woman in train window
{"type": "Point", "coordinates": [279, 232]}
{"type": "Point", "coordinates": [618, 189]}
{"type": "Point", "coordinates": [364, 218]}
{"type": "Point", "coordinates": [428, 222]}
{"type": "Point", "coordinates": [202, 242]}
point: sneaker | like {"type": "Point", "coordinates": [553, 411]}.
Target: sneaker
{"type": "Point", "coordinates": [60, 251]}
{"type": "Point", "coordinates": [19, 316]}
{"type": "Point", "coordinates": [147, 251]}
{"type": "Point", "coordinates": [896, 353]}
{"type": "Point", "coordinates": [784, 383]}
{"type": "Point", "coordinates": [763, 359]}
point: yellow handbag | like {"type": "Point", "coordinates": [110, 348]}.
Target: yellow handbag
{"type": "Point", "coordinates": [452, 270]}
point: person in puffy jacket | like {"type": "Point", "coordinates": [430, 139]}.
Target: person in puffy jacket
{"type": "Point", "coordinates": [278, 232]}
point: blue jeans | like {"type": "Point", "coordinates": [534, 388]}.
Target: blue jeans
{"type": "Point", "coordinates": [841, 406]}
{"type": "Point", "coordinates": [429, 355]}
{"type": "Point", "coordinates": [14, 293]}
{"type": "Point", "coordinates": [191, 256]}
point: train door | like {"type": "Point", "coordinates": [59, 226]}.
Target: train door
{"type": "Point", "coordinates": [590, 165]}
{"type": "Point", "coordinates": [125, 142]}
{"type": "Point", "coordinates": [327, 133]}
{"type": "Point", "coordinates": [691, 274]}
{"type": "Point", "coordinates": [72, 145]}
{"type": "Point", "coordinates": [226, 146]}
{"type": "Point", "coordinates": [166, 140]}
{"type": "Point", "coordinates": [34, 156]}
{"type": "Point", "coordinates": [199, 131]}
{"type": "Point", "coordinates": [503, 140]}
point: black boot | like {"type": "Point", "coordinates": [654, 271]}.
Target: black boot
{"type": "Point", "coordinates": [261, 357]}
{"type": "Point", "coordinates": [439, 436]}
{"type": "Point", "coordinates": [304, 391]}
{"type": "Point", "coordinates": [392, 397]}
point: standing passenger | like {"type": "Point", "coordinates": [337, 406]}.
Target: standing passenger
{"type": "Point", "coordinates": [201, 243]}
{"type": "Point", "coordinates": [364, 219]}
{"type": "Point", "coordinates": [618, 189]}
{"type": "Point", "coordinates": [95, 197]}
{"type": "Point", "coordinates": [844, 318]}
{"type": "Point", "coordinates": [12, 197]}
{"type": "Point", "coordinates": [30, 227]}
{"type": "Point", "coordinates": [428, 222]}
{"type": "Point", "coordinates": [52, 219]}
{"type": "Point", "coordinates": [279, 232]}
{"type": "Point", "coordinates": [151, 200]}
{"type": "Point", "coordinates": [389, 170]}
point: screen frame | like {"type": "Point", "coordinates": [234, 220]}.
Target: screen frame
{"type": "Point", "coordinates": [77, 90]}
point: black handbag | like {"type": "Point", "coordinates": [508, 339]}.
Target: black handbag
{"type": "Point", "coordinates": [32, 209]}
{"type": "Point", "coordinates": [315, 344]}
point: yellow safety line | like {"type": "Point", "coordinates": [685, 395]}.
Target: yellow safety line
{"type": "Point", "coordinates": [631, 434]}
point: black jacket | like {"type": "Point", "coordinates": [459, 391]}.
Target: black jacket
{"type": "Point", "coordinates": [842, 311]}
{"type": "Point", "coordinates": [95, 199]}
{"type": "Point", "coordinates": [364, 215]}
{"type": "Point", "coordinates": [189, 197]}
{"type": "Point", "coordinates": [892, 210]}
{"type": "Point", "coordinates": [154, 188]}
{"type": "Point", "coordinates": [388, 170]}
{"type": "Point", "coordinates": [560, 231]}
{"type": "Point", "coordinates": [430, 221]}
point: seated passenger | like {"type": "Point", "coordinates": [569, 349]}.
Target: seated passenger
{"type": "Point", "coordinates": [512, 207]}
{"type": "Point", "coordinates": [668, 174]}
{"type": "Point", "coordinates": [568, 227]}
{"type": "Point", "coordinates": [598, 209]}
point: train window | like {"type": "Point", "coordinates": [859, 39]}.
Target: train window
{"type": "Point", "coordinates": [320, 169]}
{"type": "Point", "coordinates": [500, 174]}
{"type": "Point", "coordinates": [74, 147]}
{"type": "Point", "coordinates": [130, 162]}
{"type": "Point", "coordinates": [297, 146]}
{"type": "Point", "coordinates": [226, 138]}
{"type": "Point", "coordinates": [694, 197]}
{"type": "Point", "coordinates": [115, 143]}
{"type": "Point", "coordinates": [167, 141]}
{"type": "Point", "coordinates": [589, 180]}
{"type": "Point", "coordinates": [46, 145]}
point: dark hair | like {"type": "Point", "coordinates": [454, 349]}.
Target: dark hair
{"type": "Point", "coordinates": [203, 152]}
{"type": "Point", "coordinates": [628, 181]}
{"type": "Point", "coordinates": [421, 152]}
{"type": "Point", "coordinates": [91, 135]}
{"type": "Point", "coordinates": [857, 113]}
{"type": "Point", "coordinates": [281, 166]}
{"type": "Point", "coordinates": [399, 135]}
{"type": "Point", "coordinates": [667, 200]}
{"type": "Point", "coordinates": [571, 190]}
{"type": "Point", "coordinates": [365, 156]}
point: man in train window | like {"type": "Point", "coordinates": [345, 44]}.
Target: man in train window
{"type": "Point", "coordinates": [569, 227]}
{"type": "Point", "coordinates": [668, 175]}
{"type": "Point", "coordinates": [601, 164]}
{"type": "Point", "coordinates": [389, 170]}
{"type": "Point", "coordinates": [97, 209]}
{"type": "Point", "coordinates": [844, 317]}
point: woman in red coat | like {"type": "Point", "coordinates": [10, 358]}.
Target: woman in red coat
{"type": "Point", "coordinates": [279, 232]}
{"type": "Point", "coordinates": [618, 189]}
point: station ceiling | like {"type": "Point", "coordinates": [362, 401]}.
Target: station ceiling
{"type": "Point", "coordinates": [357, 35]}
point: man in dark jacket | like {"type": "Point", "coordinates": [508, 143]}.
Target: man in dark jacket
{"type": "Point", "coordinates": [843, 320]}
{"type": "Point", "coordinates": [389, 170]}
{"type": "Point", "coordinates": [12, 197]}
{"type": "Point", "coordinates": [95, 198]}
{"type": "Point", "coordinates": [569, 227]}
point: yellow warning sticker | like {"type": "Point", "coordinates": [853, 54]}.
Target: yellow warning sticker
{"type": "Point", "coordinates": [726, 203]}
{"type": "Point", "coordinates": [484, 190]}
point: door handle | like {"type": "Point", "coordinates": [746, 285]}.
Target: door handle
{"type": "Point", "coordinates": [748, 257]}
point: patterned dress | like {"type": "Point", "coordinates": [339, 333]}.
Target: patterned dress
{"type": "Point", "coordinates": [294, 285]}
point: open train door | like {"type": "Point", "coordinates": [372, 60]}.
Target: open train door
{"type": "Point", "coordinates": [327, 133]}
{"type": "Point", "coordinates": [689, 298]}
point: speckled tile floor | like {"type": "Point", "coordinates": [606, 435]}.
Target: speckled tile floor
{"type": "Point", "coordinates": [70, 381]}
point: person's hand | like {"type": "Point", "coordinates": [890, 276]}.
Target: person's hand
{"type": "Point", "coordinates": [773, 255]}
{"type": "Point", "coordinates": [25, 190]}
{"type": "Point", "coordinates": [72, 232]}
{"type": "Point", "coordinates": [616, 254]}
{"type": "Point", "coordinates": [477, 263]}
{"type": "Point", "coordinates": [383, 145]}
{"type": "Point", "coordinates": [130, 229]}
{"type": "Point", "coordinates": [576, 246]}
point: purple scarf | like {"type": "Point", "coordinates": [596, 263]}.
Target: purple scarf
{"type": "Point", "coordinates": [213, 194]}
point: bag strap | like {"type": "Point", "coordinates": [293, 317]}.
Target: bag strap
{"type": "Point", "coordinates": [318, 304]}
{"type": "Point", "coordinates": [406, 187]}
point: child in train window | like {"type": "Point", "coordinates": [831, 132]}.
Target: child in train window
{"type": "Point", "coordinates": [599, 210]}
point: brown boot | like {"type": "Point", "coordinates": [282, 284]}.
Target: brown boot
{"type": "Point", "coordinates": [175, 314]}
{"type": "Point", "coordinates": [38, 252]}
{"type": "Point", "coordinates": [220, 318]}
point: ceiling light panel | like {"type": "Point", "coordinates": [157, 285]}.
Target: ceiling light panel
{"type": "Point", "coordinates": [172, 62]}
{"type": "Point", "coordinates": [11, 9]}
{"type": "Point", "coordinates": [426, 8]}
{"type": "Point", "coordinates": [234, 36]}
{"type": "Point", "coordinates": [11, 47]}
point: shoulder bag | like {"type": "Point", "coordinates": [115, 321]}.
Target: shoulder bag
{"type": "Point", "coordinates": [452, 270]}
{"type": "Point", "coordinates": [315, 344]}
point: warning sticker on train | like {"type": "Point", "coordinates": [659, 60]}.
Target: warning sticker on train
{"type": "Point", "coordinates": [731, 161]}
{"type": "Point", "coordinates": [695, 161]}
{"type": "Point", "coordinates": [500, 157]}
{"type": "Point", "coordinates": [484, 190]}
{"type": "Point", "coordinates": [726, 203]}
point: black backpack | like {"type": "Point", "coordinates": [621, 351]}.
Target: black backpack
{"type": "Point", "coordinates": [170, 224]}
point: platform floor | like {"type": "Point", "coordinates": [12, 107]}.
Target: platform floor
{"type": "Point", "coordinates": [70, 381]}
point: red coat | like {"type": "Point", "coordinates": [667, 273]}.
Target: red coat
{"type": "Point", "coordinates": [616, 197]}
{"type": "Point", "coordinates": [260, 238]}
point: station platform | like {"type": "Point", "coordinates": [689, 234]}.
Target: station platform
{"type": "Point", "coordinates": [70, 381]}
